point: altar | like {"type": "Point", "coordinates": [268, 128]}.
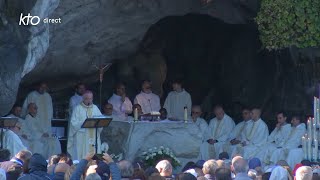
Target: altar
{"type": "Point", "coordinates": [133, 138]}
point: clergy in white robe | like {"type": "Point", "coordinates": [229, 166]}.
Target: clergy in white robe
{"type": "Point", "coordinates": [176, 101]}
{"type": "Point", "coordinates": [77, 97]}
{"type": "Point", "coordinates": [239, 134]}
{"type": "Point", "coordinates": [277, 138]}
{"type": "Point", "coordinates": [257, 137]}
{"type": "Point", "coordinates": [12, 141]}
{"type": "Point", "coordinates": [82, 140]}
{"type": "Point", "coordinates": [44, 103]}
{"type": "Point", "coordinates": [122, 105]}
{"type": "Point", "coordinates": [39, 136]}
{"type": "Point", "coordinates": [293, 141]}
{"type": "Point", "coordinates": [15, 114]}
{"type": "Point", "coordinates": [196, 113]}
{"type": "Point", "coordinates": [146, 99]}
{"type": "Point", "coordinates": [217, 135]}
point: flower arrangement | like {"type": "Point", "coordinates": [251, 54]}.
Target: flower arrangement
{"type": "Point", "coordinates": [156, 154]}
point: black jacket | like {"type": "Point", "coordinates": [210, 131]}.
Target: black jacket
{"type": "Point", "coordinates": [37, 169]}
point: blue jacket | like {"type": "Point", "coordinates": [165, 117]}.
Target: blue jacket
{"type": "Point", "coordinates": [37, 169]}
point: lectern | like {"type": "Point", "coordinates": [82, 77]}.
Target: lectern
{"type": "Point", "coordinates": [97, 122]}
{"type": "Point", "coordinates": [6, 122]}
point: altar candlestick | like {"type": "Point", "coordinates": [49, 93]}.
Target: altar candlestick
{"type": "Point", "coordinates": [309, 128]}
{"type": "Point", "coordinates": [315, 150]}
{"type": "Point", "coordinates": [185, 114]}
{"type": "Point", "coordinates": [309, 148]}
{"type": "Point", "coordinates": [135, 114]}
{"type": "Point", "coordinates": [304, 147]}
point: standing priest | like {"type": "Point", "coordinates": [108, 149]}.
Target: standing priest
{"type": "Point", "coordinates": [82, 140]}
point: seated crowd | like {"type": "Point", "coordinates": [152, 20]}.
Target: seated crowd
{"type": "Point", "coordinates": [27, 166]}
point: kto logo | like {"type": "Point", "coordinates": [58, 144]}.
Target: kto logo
{"type": "Point", "coordinates": [25, 20]}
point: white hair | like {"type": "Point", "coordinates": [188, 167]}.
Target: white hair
{"type": "Point", "coordinates": [239, 165]}
{"type": "Point", "coordinates": [165, 165]}
{"type": "Point", "coordinates": [304, 173]}
{"type": "Point", "coordinates": [210, 167]}
{"type": "Point", "coordinates": [126, 168]}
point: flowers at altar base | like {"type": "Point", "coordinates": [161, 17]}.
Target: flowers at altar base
{"type": "Point", "coordinates": [151, 158]}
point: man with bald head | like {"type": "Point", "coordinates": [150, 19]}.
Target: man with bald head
{"type": "Point", "coordinates": [82, 140]}
{"type": "Point", "coordinates": [240, 168]}
{"type": "Point", "coordinates": [252, 145]}
{"type": "Point", "coordinates": [218, 133]}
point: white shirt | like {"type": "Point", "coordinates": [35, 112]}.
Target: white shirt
{"type": "Point", "coordinates": [220, 129]}
{"type": "Point", "coordinates": [74, 101]}
{"type": "Point", "coordinates": [148, 102]}
{"type": "Point", "coordinates": [175, 103]}
{"type": "Point", "coordinates": [120, 109]}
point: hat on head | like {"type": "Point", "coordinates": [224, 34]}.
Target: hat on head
{"type": "Point", "coordinates": [199, 163]}
{"type": "Point", "coordinates": [254, 162]}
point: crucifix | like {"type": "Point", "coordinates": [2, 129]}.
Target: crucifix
{"type": "Point", "coordinates": [102, 69]}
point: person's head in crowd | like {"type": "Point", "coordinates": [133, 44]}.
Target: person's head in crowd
{"type": "Point", "coordinates": [279, 173]}
{"type": "Point", "coordinates": [189, 165]}
{"type": "Point", "coordinates": [146, 86]}
{"type": "Point", "coordinates": [108, 109]}
{"type": "Point", "coordinates": [239, 165]}
{"type": "Point", "coordinates": [126, 169]}
{"type": "Point", "coordinates": [199, 163]}
{"type": "Point", "coordinates": [253, 174]}
{"type": "Point", "coordinates": [254, 163]}
{"type": "Point", "coordinates": [156, 177]}
{"type": "Point", "coordinates": [93, 176]}
{"type": "Point", "coordinates": [218, 112]}
{"type": "Point", "coordinates": [120, 89]}
{"type": "Point", "coordinates": [87, 97]}
{"type": "Point", "coordinates": [196, 112]}
{"type": "Point", "coordinates": [209, 167]}
{"type": "Point", "coordinates": [54, 159]}
{"type": "Point", "coordinates": [42, 88]}
{"type": "Point", "coordinates": [266, 176]}
{"type": "Point", "coordinates": [282, 163]}
{"type": "Point", "coordinates": [80, 88]}
{"type": "Point", "coordinates": [4, 155]}
{"type": "Point", "coordinates": [138, 107]}
{"type": "Point", "coordinates": [165, 168]}
{"type": "Point", "coordinates": [224, 156]}
{"type": "Point", "coordinates": [139, 174]}
{"type": "Point", "coordinates": [23, 155]}
{"type": "Point", "coordinates": [103, 170]}
{"type": "Point", "coordinates": [32, 109]}
{"type": "Point", "coordinates": [163, 113]}
{"type": "Point", "coordinates": [60, 170]}
{"type": "Point", "coordinates": [177, 85]}
{"type": "Point", "coordinates": [192, 172]}
{"type": "Point", "coordinates": [281, 117]}
{"type": "Point", "coordinates": [246, 114]}
{"type": "Point", "coordinates": [185, 176]}
{"type": "Point", "coordinates": [255, 114]}
{"type": "Point", "coordinates": [16, 110]}
{"type": "Point", "coordinates": [306, 163]}
{"type": "Point", "coordinates": [69, 172]}
{"type": "Point", "coordinates": [223, 174]}
{"type": "Point", "coordinates": [220, 163]}
{"type": "Point", "coordinates": [295, 120]}
{"type": "Point", "coordinates": [151, 171]}
{"type": "Point", "coordinates": [304, 173]}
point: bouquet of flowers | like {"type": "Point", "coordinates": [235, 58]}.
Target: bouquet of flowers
{"type": "Point", "coordinates": [156, 154]}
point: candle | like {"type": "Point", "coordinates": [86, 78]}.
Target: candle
{"type": "Point", "coordinates": [314, 134]}
{"type": "Point", "coordinates": [309, 148]}
{"type": "Point", "coordinates": [135, 114]}
{"type": "Point", "coordinates": [185, 114]}
{"type": "Point", "coordinates": [304, 147]}
{"type": "Point", "coordinates": [309, 128]}
{"type": "Point", "coordinates": [315, 150]}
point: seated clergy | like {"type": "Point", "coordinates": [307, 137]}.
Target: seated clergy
{"type": "Point", "coordinates": [196, 113]}
{"type": "Point", "coordinates": [278, 136]}
{"type": "Point", "coordinates": [39, 136]}
{"type": "Point", "coordinates": [176, 101]}
{"type": "Point", "coordinates": [217, 134]}
{"type": "Point", "coordinates": [240, 133]}
{"type": "Point", "coordinates": [293, 141]}
{"type": "Point", "coordinates": [147, 100]}
{"type": "Point", "coordinates": [122, 105]}
{"type": "Point", "coordinates": [252, 145]}
{"type": "Point", "coordinates": [12, 141]}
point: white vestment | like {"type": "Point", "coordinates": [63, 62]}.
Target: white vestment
{"type": "Point", "coordinates": [45, 109]}
{"type": "Point", "coordinates": [148, 102]}
{"type": "Point", "coordinates": [12, 142]}
{"type": "Point", "coordinates": [74, 101]}
{"type": "Point", "coordinates": [257, 138]}
{"type": "Point", "coordinates": [175, 103]}
{"type": "Point", "coordinates": [120, 109]}
{"type": "Point", "coordinates": [217, 130]}
{"type": "Point", "coordinates": [276, 140]}
{"type": "Point", "coordinates": [241, 132]}
{"type": "Point", "coordinates": [82, 140]}
{"type": "Point", "coordinates": [292, 142]}
{"type": "Point", "coordinates": [46, 146]}
{"type": "Point", "coordinates": [25, 142]}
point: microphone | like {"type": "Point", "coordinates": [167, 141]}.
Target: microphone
{"type": "Point", "coordinates": [150, 105]}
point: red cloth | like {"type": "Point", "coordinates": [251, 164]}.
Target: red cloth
{"type": "Point", "coordinates": [296, 167]}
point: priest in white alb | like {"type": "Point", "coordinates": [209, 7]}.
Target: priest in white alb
{"type": "Point", "coordinates": [82, 140]}
{"type": "Point", "coordinates": [38, 134]}
{"type": "Point", "coordinates": [43, 101]}
{"type": "Point", "coordinates": [277, 138]}
{"type": "Point", "coordinates": [12, 141]}
{"type": "Point", "coordinates": [252, 145]}
{"type": "Point", "coordinates": [293, 141]}
{"type": "Point", "coordinates": [196, 113]}
{"type": "Point", "coordinates": [176, 101]}
{"type": "Point", "coordinates": [122, 105]}
{"type": "Point", "coordinates": [77, 97]}
{"type": "Point", "coordinates": [146, 99]}
{"type": "Point", "coordinates": [217, 135]}
{"type": "Point", "coordinates": [239, 134]}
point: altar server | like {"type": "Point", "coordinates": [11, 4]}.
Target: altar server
{"type": "Point", "coordinates": [122, 105]}
{"type": "Point", "coordinates": [147, 100]}
{"type": "Point", "coordinates": [176, 101]}
{"type": "Point", "coordinates": [82, 140]}
{"type": "Point", "coordinates": [77, 97]}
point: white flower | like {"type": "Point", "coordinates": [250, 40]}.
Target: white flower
{"type": "Point", "coordinates": [147, 157]}
{"type": "Point", "coordinates": [159, 152]}
{"type": "Point", "coordinates": [154, 154]}
{"type": "Point", "coordinates": [161, 147]}
{"type": "Point", "coordinates": [167, 149]}
{"type": "Point", "coordinates": [155, 148]}
{"type": "Point", "coordinates": [144, 153]}
{"type": "Point", "coordinates": [150, 149]}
